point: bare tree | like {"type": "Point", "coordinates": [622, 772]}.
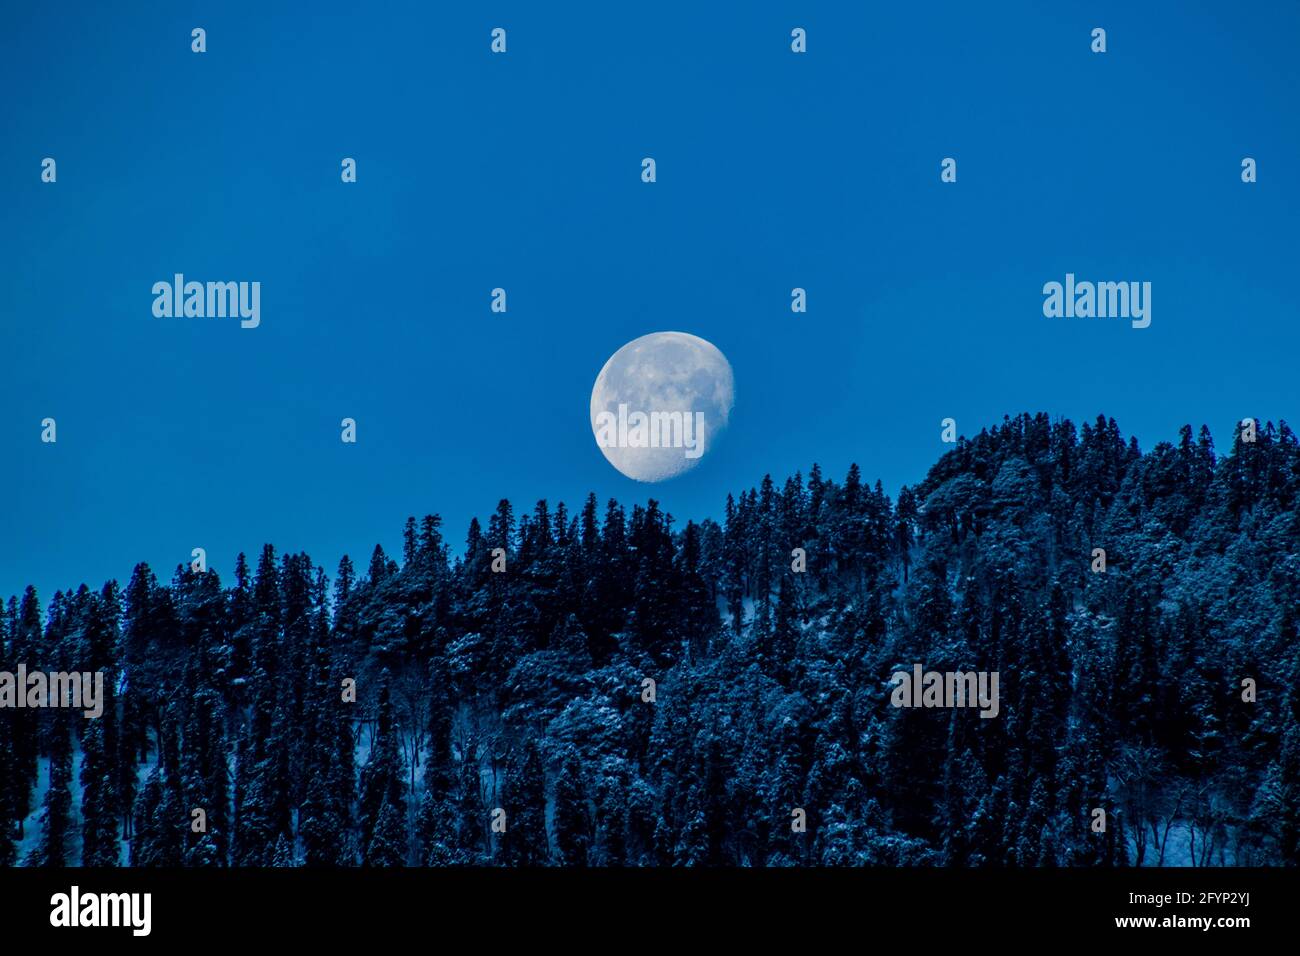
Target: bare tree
{"type": "Point", "coordinates": [1211, 814]}
{"type": "Point", "coordinates": [411, 706]}
{"type": "Point", "coordinates": [1136, 774]}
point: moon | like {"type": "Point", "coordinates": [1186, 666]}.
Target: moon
{"type": "Point", "coordinates": [658, 375]}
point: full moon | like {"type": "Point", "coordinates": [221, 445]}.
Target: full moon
{"type": "Point", "coordinates": [660, 403]}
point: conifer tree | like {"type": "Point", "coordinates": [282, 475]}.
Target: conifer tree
{"type": "Point", "coordinates": [524, 842]}
{"type": "Point", "coordinates": [52, 849]}
{"type": "Point", "coordinates": [99, 846]}
{"type": "Point", "coordinates": [388, 843]}
{"type": "Point", "coordinates": [382, 784]}
{"type": "Point", "coordinates": [572, 815]}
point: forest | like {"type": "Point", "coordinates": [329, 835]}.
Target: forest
{"type": "Point", "coordinates": [610, 687]}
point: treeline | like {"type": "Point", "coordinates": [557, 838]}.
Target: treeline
{"type": "Point", "coordinates": [605, 688]}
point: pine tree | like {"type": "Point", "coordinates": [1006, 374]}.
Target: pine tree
{"type": "Point", "coordinates": [572, 815]}
{"type": "Point", "coordinates": [99, 846]}
{"type": "Point", "coordinates": [609, 846]}
{"type": "Point", "coordinates": [14, 785]}
{"type": "Point", "coordinates": [388, 844]}
{"type": "Point", "coordinates": [255, 828]}
{"type": "Point", "coordinates": [24, 644]}
{"type": "Point", "coordinates": [206, 780]}
{"type": "Point", "coordinates": [382, 785]}
{"type": "Point", "coordinates": [52, 849]}
{"type": "Point", "coordinates": [282, 855]}
{"type": "Point", "coordinates": [524, 842]}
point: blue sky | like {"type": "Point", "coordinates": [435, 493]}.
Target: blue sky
{"type": "Point", "coordinates": [775, 170]}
